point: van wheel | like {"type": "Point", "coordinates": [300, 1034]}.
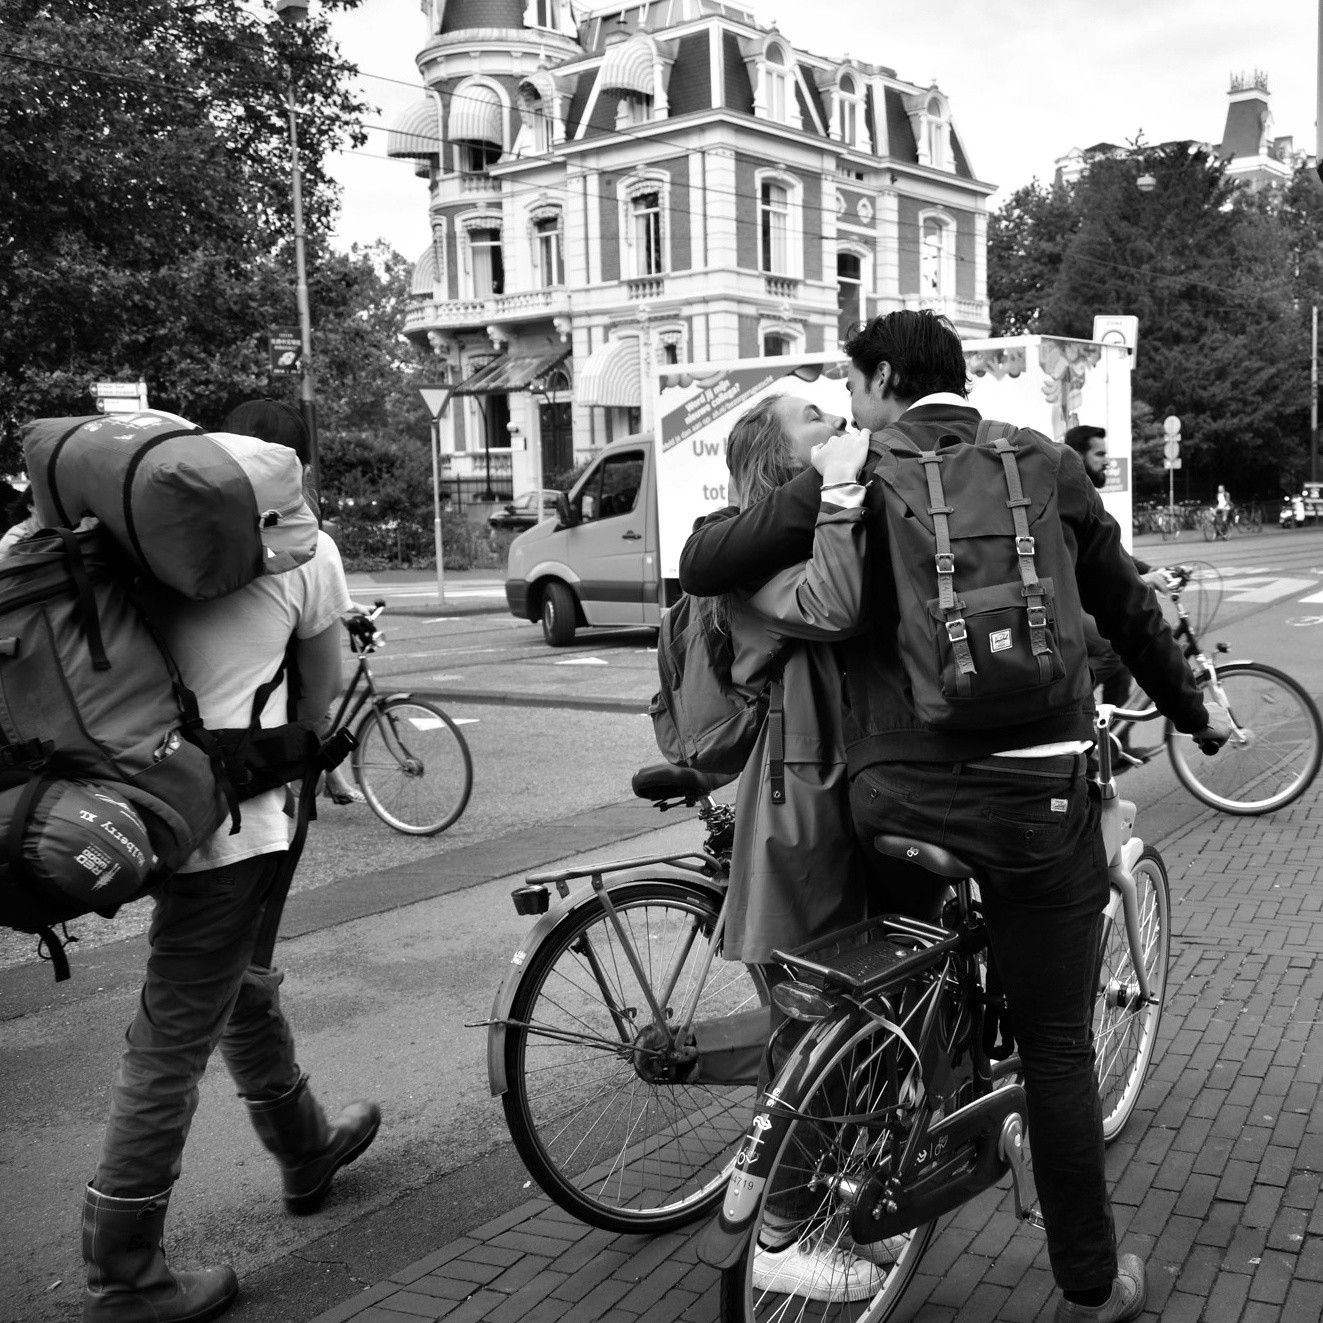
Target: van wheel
{"type": "Point", "coordinates": [558, 615]}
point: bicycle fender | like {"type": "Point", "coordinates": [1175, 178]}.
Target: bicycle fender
{"type": "Point", "coordinates": [562, 912]}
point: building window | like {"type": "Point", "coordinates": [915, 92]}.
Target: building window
{"type": "Point", "coordinates": [849, 291]}
{"type": "Point", "coordinates": [538, 118]}
{"type": "Point", "coordinates": [774, 228]}
{"type": "Point", "coordinates": [645, 221]}
{"type": "Point", "coordinates": [475, 157]}
{"type": "Point", "coordinates": [546, 238]}
{"type": "Point", "coordinates": [936, 259]}
{"type": "Point", "coordinates": [775, 346]}
{"type": "Point", "coordinates": [633, 108]}
{"type": "Point", "coordinates": [546, 14]}
{"type": "Point", "coordinates": [774, 71]}
{"type": "Point", "coordinates": [936, 134]}
{"type": "Point", "coordinates": [486, 263]}
{"type": "Point", "coordinates": [848, 95]}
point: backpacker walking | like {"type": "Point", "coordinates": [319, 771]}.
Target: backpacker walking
{"type": "Point", "coordinates": [968, 718]}
{"type": "Point", "coordinates": [202, 989]}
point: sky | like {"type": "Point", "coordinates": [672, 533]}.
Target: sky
{"type": "Point", "coordinates": [1027, 79]}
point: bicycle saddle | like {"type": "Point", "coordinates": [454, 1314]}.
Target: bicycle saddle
{"type": "Point", "coordinates": [662, 781]}
{"type": "Point", "coordinates": [932, 857]}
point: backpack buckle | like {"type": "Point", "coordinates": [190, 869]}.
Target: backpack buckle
{"type": "Point", "coordinates": [956, 631]}
{"type": "Point", "coordinates": [1037, 617]}
{"type": "Point", "coordinates": [945, 562]}
{"type": "Point", "coordinates": [1024, 546]}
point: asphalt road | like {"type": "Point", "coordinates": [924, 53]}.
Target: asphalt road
{"type": "Point", "coordinates": [386, 972]}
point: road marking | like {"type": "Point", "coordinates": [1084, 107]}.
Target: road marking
{"type": "Point", "coordinates": [1262, 588]}
{"type": "Point", "coordinates": [1313, 597]}
{"type": "Point", "coordinates": [581, 661]}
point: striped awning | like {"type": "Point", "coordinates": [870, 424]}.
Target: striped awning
{"type": "Point", "coordinates": [425, 274]}
{"type": "Point", "coordinates": [415, 133]}
{"type": "Point", "coordinates": [476, 115]}
{"type": "Point", "coordinates": [627, 67]}
{"type": "Point", "coordinates": [610, 377]}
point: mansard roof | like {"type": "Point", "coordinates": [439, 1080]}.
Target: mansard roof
{"type": "Point", "coordinates": [1247, 124]}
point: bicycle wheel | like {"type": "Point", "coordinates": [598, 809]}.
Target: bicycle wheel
{"type": "Point", "coordinates": [1125, 1030]}
{"type": "Point", "coordinates": [610, 1131]}
{"type": "Point", "coordinates": [1171, 529]}
{"type": "Point", "coordinates": [412, 765]}
{"type": "Point", "coordinates": [1274, 755]}
{"type": "Point", "coordinates": [827, 1154]}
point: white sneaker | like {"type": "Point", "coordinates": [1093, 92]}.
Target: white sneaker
{"type": "Point", "coordinates": [882, 1253]}
{"type": "Point", "coordinates": [815, 1272]}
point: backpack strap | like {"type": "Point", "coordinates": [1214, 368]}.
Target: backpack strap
{"type": "Point", "coordinates": [951, 605]}
{"type": "Point", "coordinates": [131, 472]}
{"type": "Point", "coordinates": [13, 855]}
{"type": "Point", "coordinates": [1032, 589]}
{"type": "Point", "coordinates": [91, 622]}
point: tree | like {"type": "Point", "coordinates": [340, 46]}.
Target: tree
{"type": "Point", "coordinates": [144, 194]}
{"type": "Point", "coordinates": [1028, 237]}
{"type": "Point", "coordinates": [1208, 267]}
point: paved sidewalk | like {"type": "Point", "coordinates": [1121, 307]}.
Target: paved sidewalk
{"type": "Point", "coordinates": [1215, 1181]}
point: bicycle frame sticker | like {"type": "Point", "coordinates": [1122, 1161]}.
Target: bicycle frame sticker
{"type": "Point", "coordinates": [742, 1194]}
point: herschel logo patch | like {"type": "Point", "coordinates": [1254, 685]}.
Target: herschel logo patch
{"type": "Point", "coordinates": [999, 640]}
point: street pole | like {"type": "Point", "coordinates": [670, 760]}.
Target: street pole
{"type": "Point", "coordinates": [1313, 393]}
{"type": "Point", "coordinates": [436, 511]}
{"type": "Point", "coordinates": [308, 394]}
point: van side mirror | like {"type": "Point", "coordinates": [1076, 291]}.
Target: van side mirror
{"type": "Point", "coordinates": [564, 515]}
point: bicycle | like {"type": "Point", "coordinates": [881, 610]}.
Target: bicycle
{"type": "Point", "coordinates": [409, 758]}
{"type": "Point", "coordinates": [1276, 746]}
{"type": "Point", "coordinates": [626, 1056]}
{"type": "Point", "coordinates": [891, 1111]}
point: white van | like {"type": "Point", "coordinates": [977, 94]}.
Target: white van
{"type": "Point", "coordinates": [597, 562]}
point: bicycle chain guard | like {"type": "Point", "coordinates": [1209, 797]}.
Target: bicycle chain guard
{"type": "Point", "coordinates": [962, 1155]}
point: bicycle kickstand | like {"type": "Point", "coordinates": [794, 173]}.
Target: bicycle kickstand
{"type": "Point", "coordinates": [1012, 1153]}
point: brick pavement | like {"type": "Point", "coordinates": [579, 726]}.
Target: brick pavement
{"type": "Point", "coordinates": [1215, 1181]}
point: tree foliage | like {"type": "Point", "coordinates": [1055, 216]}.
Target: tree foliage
{"type": "Point", "coordinates": [1217, 276]}
{"type": "Point", "coordinates": [145, 200]}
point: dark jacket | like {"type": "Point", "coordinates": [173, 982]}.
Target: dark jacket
{"type": "Point", "coordinates": [732, 550]}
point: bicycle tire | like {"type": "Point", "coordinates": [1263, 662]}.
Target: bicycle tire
{"type": "Point", "coordinates": [413, 766]}
{"type": "Point", "coordinates": [1170, 529]}
{"type": "Point", "coordinates": [1125, 1032]}
{"type": "Point", "coordinates": [1275, 759]}
{"type": "Point", "coordinates": [615, 1149]}
{"type": "Point", "coordinates": [815, 1143]}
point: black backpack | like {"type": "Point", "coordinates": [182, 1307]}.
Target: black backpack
{"type": "Point", "coordinates": [990, 626]}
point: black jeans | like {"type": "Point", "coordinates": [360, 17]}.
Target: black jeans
{"type": "Point", "coordinates": [1032, 832]}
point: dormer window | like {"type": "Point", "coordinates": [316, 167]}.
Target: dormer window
{"type": "Point", "coordinates": [850, 113]}
{"type": "Point", "coordinates": [936, 134]}
{"type": "Point", "coordinates": [777, 84]}
{"type": "Point", "coordinates": [545, 14]}
{"type": "Point", "coordinates": [633, 108]}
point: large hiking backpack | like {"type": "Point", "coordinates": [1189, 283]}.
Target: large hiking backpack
{"type": "Point", "coordinates": [990, 626]}
{"type": "Point", "coordinates": [103, 790]}
{"type": "Point", "coordinates": [202, 513]}
{"type": "Point", "coordinates": [702, 719]}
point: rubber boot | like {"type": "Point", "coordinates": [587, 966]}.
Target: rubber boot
{"type": "Point", "coordinates": [310, 1150]}
{"type": "Point", "coordinates": [127, 1277]}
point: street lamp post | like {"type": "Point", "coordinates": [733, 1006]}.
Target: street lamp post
{"type": "Point", "coordinates": [295, 12]}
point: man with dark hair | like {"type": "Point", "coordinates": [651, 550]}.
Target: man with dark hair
{"type": "Point", "coordinates": [1014, 800]}
{"type": "Point", "coordinates": [1109, 671]}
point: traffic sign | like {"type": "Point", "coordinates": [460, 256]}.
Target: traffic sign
{"type": "Point", "coordinates": [435, 398]}
{"type": "Point", "coordinates": [1171, 425]}
{"type": "Point", "coordinates": [1172, 463]}
{"type": "Point", "coordinates": [1171, 447]}
{"type": "Point", "coordinates": [120, 396]}
{"type": "Point", "coordinates": [285, 350]}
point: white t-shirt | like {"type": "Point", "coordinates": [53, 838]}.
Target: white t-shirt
{"type": "Point", "coordinates": [227, 649]}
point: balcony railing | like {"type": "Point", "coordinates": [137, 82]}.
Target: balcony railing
{"type": "Point", "coordinates": [652, 287]}
{"type": "Point", "coordinates": [782, 287]}
{"type": "Point", "coordinates": [528, 305]}
{"type": "Point", "coordinates": [478, 183]}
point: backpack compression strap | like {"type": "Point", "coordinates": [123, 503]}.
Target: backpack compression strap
{"type": "Point", "coordinates": [1032, 589]}
{"type": "Point", "coordinates": [950, 604]}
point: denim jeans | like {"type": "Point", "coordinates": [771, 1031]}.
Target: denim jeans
{"type": "Point", "coordinates": [200, 991]}
{"type": "Point", "coordinates": [1034, 836]}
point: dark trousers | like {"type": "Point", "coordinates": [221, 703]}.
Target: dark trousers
{"type": "Point", "coordinates": [200, 992]}
{"type": "Point", "coordinates": [1032, 832]}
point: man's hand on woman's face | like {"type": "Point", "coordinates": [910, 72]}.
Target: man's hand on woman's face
{"type": "Point", "coordinates": [840, 458]}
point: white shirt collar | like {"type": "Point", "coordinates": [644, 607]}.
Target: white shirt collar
{"type": "Point", "coordinates": [941, 397]}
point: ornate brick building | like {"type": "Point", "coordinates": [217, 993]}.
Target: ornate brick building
{"type": "Point", "coordinates": [660, 182]}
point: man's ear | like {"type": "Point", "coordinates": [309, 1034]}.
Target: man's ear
{"type": "Point", "coordinates": [883, 378]}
